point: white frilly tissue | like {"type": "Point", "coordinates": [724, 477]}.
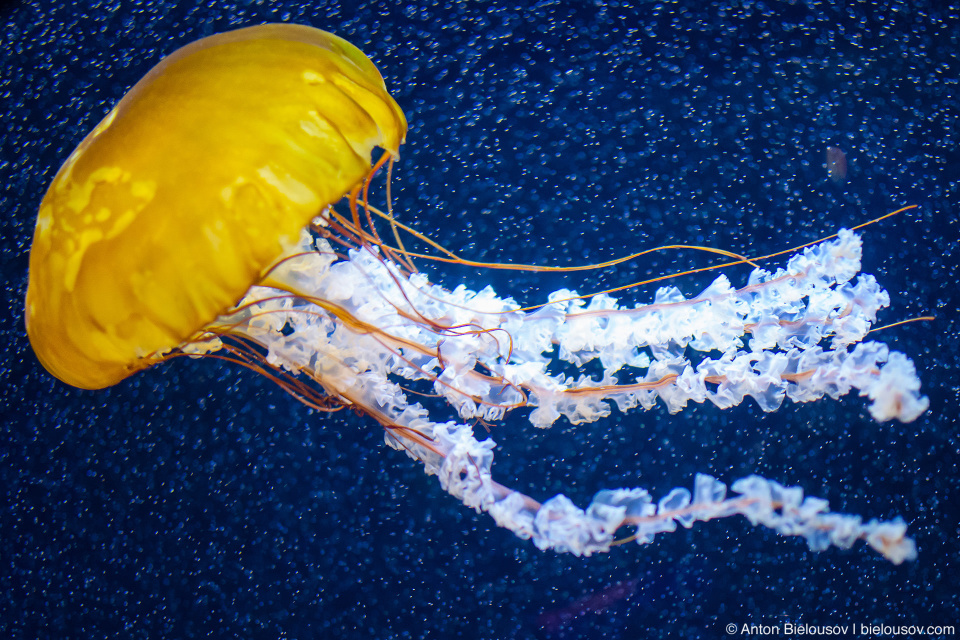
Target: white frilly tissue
{"type": "Point", "coordinates": [359, 325]}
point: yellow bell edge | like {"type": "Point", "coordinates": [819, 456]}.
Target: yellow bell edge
{"type": "Point", "coordinates": [191, 188]}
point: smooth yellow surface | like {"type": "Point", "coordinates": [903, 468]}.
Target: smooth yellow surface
{"type": "Point", "coordinates": [191, 186]}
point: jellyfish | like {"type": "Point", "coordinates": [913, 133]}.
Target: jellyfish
{"type": "Point", "coordinates": [836, 164]}
{"type": "Point", "coordinates": [221, 209]}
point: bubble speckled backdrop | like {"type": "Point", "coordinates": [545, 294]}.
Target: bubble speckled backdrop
{"type": "Point", "coordinates": [197, 499]}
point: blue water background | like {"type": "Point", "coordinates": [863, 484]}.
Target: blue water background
{"type": "Point", "coordinates": [197, 499]}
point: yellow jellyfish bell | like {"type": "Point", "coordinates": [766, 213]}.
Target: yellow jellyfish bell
{"type": "Point", "coordinates": [191, 187]}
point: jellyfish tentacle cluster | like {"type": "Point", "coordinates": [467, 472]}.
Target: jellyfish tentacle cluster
{"type": "Point", "coordinates": [769, 334]}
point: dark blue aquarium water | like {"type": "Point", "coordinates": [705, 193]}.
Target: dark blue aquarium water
{"type": "Point", "coordinates": [198, 499]}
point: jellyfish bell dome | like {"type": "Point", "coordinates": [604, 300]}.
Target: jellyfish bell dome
{"type": "Point", "coordinates": [192, 187]}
